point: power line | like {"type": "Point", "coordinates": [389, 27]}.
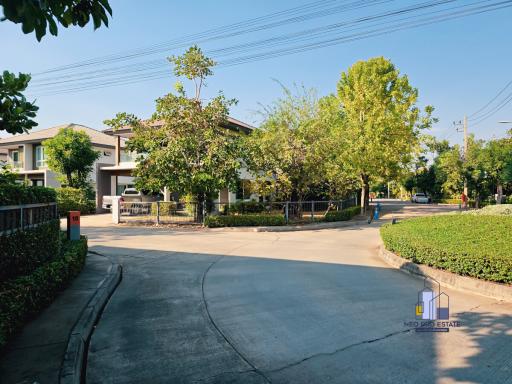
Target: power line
{"type": "Point", "coordinates": [388, 27]}
{"type": "Point", "coordinates": [490, 102]}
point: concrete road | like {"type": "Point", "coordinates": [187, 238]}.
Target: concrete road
{"type": "Point", "coordinates": [294, 307]}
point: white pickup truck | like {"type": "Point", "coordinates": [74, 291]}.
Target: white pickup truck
{"type": "Point", "coordinates": [130, 195]}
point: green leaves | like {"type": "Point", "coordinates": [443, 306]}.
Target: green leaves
{"type": "Point", "coordinates": [476, 246]}
{"type": "Point", "coordinates": [183, 146]}
{"type": "Point", "coordinates": [70, 153]}
{"type": "Point", "coordinates": [38, 16]}
{"type": "Point", "coordinates": [16, 113]}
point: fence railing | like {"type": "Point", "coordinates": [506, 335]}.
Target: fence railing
{"type": "Point", "coordinates": [20, 217]}
{"type": "Point", "coordinates": [164, 212]}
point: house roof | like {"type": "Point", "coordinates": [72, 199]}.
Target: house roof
{"type": "Point", "coordinates": [97, 137]}
{"type": "Point", "coordinates": [232, 123]}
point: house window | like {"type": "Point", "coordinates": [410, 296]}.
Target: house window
{"type": "Point", "coordinates": [40, 157]}
{"type": "Point", "coordinates": [15, 156]}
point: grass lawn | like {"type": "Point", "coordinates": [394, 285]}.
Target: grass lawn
{"type": "Point", "coordinates": [471, 245]}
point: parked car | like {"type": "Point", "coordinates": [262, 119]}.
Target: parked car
{"type": "Point", "coordinates": [421, 198]}
{"type": "Point", "coordinates": [132, 195]}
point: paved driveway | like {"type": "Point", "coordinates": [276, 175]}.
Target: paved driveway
{"type": "Point", "coordinates": [293, 307]}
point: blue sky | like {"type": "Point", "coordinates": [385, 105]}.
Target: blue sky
{"type": "Point", "coordinates": [458, 65]}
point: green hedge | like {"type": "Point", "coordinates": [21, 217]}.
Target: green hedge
{"type": "Point", "coordinates": [476, 246]}
{"type": "Point", "coordinates": [73, 199]}
{"type": "Point", "coordinates": [167, 208]}
{"type": "Point", "coordinates": [343, 215]}
{"type": "Point", "coordinates": [246, 207]}
{"type": "Point", "coordinates": [16, 194]}
{"type": "Point", "coordinates": [23, 251]}
{"type": "Point", "coordinates": [23, 297]}
{"type": "Point", "coordinates": [244, 220]}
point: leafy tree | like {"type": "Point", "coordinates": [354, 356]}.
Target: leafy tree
{"type": "Point", "coordinates": [16, 112]}
{"type": "Point", "coordinates": [183, 146]}
{"type": "Point", "coordinates": [40, 16]}
{"type": "Point", "coordinates": [282, 152]}
{"type": "Point", "coordinates": [71, 154]}
{"type": "Point", "coordinates": [380, 131]}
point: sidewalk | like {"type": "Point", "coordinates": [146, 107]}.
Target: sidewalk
{"type": "Point", "coordinates": [35, 355]}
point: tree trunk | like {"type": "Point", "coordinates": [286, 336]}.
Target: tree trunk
{"type": "Point", "coordinates": [200, 207]}
{"type": "Point", "coordinates": [365, 193]}
{"type": "Point", "coordinates": [499, 192]}
{"type": "Point", "coordinates": [69, 179]}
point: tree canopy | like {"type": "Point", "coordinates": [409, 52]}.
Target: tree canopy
{"type": "Point", "coordinates": [184, 145]}
{"type": "Point", "coordinates": [378, 134]}
{"type": "Point", "coordinates": [16, 113]}
{"type": "Point", "coordinates": [70, 153]}
{"type": "Point", "coordinates": [44, 15]}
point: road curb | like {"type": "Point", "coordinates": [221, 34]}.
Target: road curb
{"type": "Point", "coordinates": [73, 364]}
{"type": "Point", "coordinates": [449, 279]}
{"type": "Point", "coordinates": [293, 228]}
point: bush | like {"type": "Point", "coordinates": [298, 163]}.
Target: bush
{"type": "Point", "coordinates": [500, 210]}
{"type": "Point", "coordinates": [167, 208]}
{"type": "Point", "coordinates": [247, 207]}
{"type": "Point", "coordinates": [17, 194]}
{"type": "Point", "coordinates": [23, 297]}
{"type": "Point", "coordinates": [476, 246]}
{"type": "Point", "coordinates": [22, 252]}
{"type": "Point", "coordinates": [343, 215]}
{"type": "Point", "coordinates": [244, 220]}
{"type": "Point", "coordinates": [73, 199]}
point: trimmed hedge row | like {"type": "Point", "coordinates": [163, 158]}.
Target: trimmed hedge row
{"type": "Point", "coordinates": [73, 199]}
{"type": "Point", "coordinates": [23, 297]}
{"type": "Point", "coordinates": [16, 194]}
{"type": "Point", "coordinates": [476, 246]}
{"type": "Point", "coordinates": [23, 251]}
{"type": "Point", "coordinates": [343, 215]}
{"type": "Point", "coordinates": [243, 220]}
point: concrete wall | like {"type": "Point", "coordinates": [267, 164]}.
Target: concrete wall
{"type": "Point", "coordinates": [28, 157]}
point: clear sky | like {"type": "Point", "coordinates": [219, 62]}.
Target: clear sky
{"type": "Point", "coordinates": [457, 65]}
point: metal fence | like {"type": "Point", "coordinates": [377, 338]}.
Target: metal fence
{"type": "Point", "coordinates": [20, 217]}
{"type": "Point", "coordinates": [161, 212]}
{"type": "Point", "coordinates": [188, 213]}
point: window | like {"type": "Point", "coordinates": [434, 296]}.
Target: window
{"type": "Point", "coordinates": [40, 158]}
{"type": "Point", "coordinates": [16, 161]}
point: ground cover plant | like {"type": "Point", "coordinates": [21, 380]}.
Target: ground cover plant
{"type": "Point", "coordinates": [471, 245]}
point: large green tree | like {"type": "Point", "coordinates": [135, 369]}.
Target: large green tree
{"type": "Point", "coordinates": [183, 146]}
{"type": "Point", "coordinates": [70, 153]}
{"type": "Point", "coordinates": [16, 113]}
{"type": "Point", "coordinates": [40, 16]}
{"type": "Point", "coordinates": [283, 153]}
{"type": "Point", "coordinates": [379, 132]}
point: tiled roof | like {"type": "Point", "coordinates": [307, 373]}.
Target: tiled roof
{"type": "Point", "coordinates": [97, 137]}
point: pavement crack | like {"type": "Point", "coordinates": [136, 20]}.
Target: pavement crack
{"type": "Point", "coordinates": [340, 350]}
{"type": "Point", "coordinates": [222, 373]}
{"type": "Point", "coordinates": [210, 318]}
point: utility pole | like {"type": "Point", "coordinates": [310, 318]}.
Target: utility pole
{"type": "Point", "coordinates": [465, 128]}
{"type": "Point", "coordinates": [464, 124]}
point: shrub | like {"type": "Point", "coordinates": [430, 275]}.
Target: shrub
{"type": "Point", "coordinates": [477, 246]}
{"type": "Point", "coordinates": [167, 208]}
{"type": "Point", "coordinates": [343, 215]}
{"type": "Point", "coordinates": [500, 209]}
{"type": "Point", "coordinates": [23, 297]}
{"type": "Point", "coordinates": [247, 207]}
{"type": "Point", "coordinates": [16, 194]}
{"type": "Point", "coordinates": [22, 252]}
{"type": "Point", "coordinates": [243, 220]}
{"type": "Point", "coordinates": [73, 199]}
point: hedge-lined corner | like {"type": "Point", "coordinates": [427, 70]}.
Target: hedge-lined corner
{"type": "Point", "coordinates": [24, 251]}
{"type": "Point", "coordinates": [475, 246]}
{"type": "Point", "coordinates": [244, 221]}
{"type": "Point", "coordinates": [23, 297]}
{"type": "Point", "coordinates": [343, 215]}
{"type": "Point", "coordinates": [17, 194]}
{"type": "Point", "coordinates": [73, 199]}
